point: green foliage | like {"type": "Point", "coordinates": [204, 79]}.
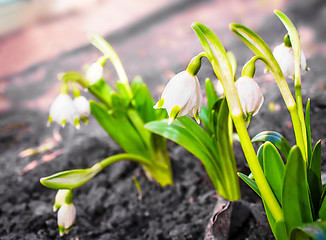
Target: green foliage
{"type": "Point", "coordinates": [212, 145]}
{"type": "Point", "coordinates": [309, 231]}
{"type": "Point", "coordinates": [275, 138]}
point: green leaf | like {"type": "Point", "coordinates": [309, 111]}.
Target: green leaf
{"type": "Point", "coordinates": [314, 177]}
{"type": "Point", "coordinates": [310, 231]}
{"type": "Point", "coordinates": [102, 91]}
{"type": "Point", "coordinates": [273, 169]}
{"type": "Point", "coordinates": [277, 139]}
{"type": "Point", "coordinates": [120, 130]}
{"type": "Point", "coordinates": [308, 128]}
{"type": "Point", "coordinates": [278, 228]}
{"type": "Point", "coordinates": [178, 134]}
{"type": "Point", "coordinates": [322, 210]}
{"type": "Point", "coordinates": [295, 195]}
{"type": "Point", "coordinates": [144, 102]}
{"type": "Point", "coordinates": [255, 44]}
{"type": "Point", "coordinates": [71, 179]}
{"type": "Point", "coordinates": [250, 182]}
{"type": "Point", "coordinates": [210, 94]}
{"type": "Point", "coordinates": [233, 61]}
{"type": "Point", "coordinates": [204, 118]}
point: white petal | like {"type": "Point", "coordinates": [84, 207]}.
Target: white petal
{"type": "Point", "coordinates": [82, 106]}
{"type": "Point", "coordinates": [250, 95]}
{"type": "Point", "coordinates": [178, 91]}
{"type": "Point", "coordinates": [66, 215]}
{"type": "Point", "coordinates": [63, 109]}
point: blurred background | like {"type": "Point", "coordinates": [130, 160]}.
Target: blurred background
{"type": "Point", "coordinates": [39, 39]}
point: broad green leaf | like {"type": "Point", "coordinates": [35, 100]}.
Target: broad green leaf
{"type": "Point", "coordinates": [295, 196]}
{"type": "Point", "coordinates": [178, 134]}
{"type": "Point", "coordinates": [308, 128]}
{"type": "Point", "coordinates": [144, 102]}
{"type": "Point", "coordinates": [278, 228]}
{"type": "Point", "coordinates": [199, 133]}
{"type": "Point", "coordinates": [71, 179]}
{"type": "Point", "coordinates": [120, 130]}
{"type": "Point", "coordinates": [102, 91]}
{"type": "Point", "coordinates": [277, 139]}
{"type": "Point", "coordinates": [250, 182]}
{"type": "Point", "coordinates": [273, 169]}
{"type": "Point", "coordinates": [322, 210]}
{"type": "Point", "coordinates": [310, 231]}
{"type": "Point", "coordinates": [314, 177]}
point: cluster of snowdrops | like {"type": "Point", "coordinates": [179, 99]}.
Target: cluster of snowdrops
{"type": "Point", "coordinates": [287, 178]}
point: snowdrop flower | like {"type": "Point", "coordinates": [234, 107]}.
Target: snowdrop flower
{"type": "Point", "coordinates": [67, 210]}
{"type": "Point", "coordinates": [285, 57]}
{"type": "Point", "coordinates": [66, 217]}
{"type": "Point", "coordinates": [94, 73]}
{"type": "Point", "coordinates": [181, 96]}
{"type": "Point", "coordinates": [63, 110]}
{"type": "Point", "coordinates": [60, 199]}
{"type": "Point", "coordinates": [83, 108]}
{"type": "Point", "coordinates": [250, 96]}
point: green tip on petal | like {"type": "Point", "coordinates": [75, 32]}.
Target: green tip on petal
{"type": "Point", "coordinates": [159, 104]}
{"type": "Point", "coordinates": [196, 116]}
{"type": "Point", "coordinates": [61, 230]}
{"type": "Point", "coordinates": [63, 123]}
{"type": "Point", "coordinates": [84, 119]}
{"type": "Point", "coordinates": [77, 123]}
{"type": "Point", "coordinates": [49, 121]}
{"type": "Point", "coordinates": [174, 113]}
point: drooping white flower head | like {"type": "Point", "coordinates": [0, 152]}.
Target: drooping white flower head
{"type": "Point", "coordinates": [181, 96]}
{"type": "Point", "coordinates": [83, 107]}
{"type": "Point", "coordinates": [66, 217]}
{"type": "Point", "coordinates": [250, 95]}
{"type": "Point", "coordinates": [63, 110]}
{"type": "Point", "coordinates": [285, 57]}
{"type": "Point", "coordinates": [94, 73]}
{"type": "Point", "coordinates": [60, 198]}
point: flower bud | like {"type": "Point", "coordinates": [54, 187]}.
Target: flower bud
{"type": "Point", "coordinates": [250, 96]}
{"type": "Point", "coordinates": [63, 110]}
{"type": "Point", "coordinates": [66, 213]}
{"type": "Point", "coordinates": [285, 57]}
{"type": "Point", "coordinates": [94, 73]}
{"type": "Point", "coordinates": [66, 218]}
{"type": "Point", "coordinates": [181, 96]}
{"type": "Point", "coordinates": [83, 108]}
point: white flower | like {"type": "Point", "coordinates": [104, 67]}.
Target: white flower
{"type": "Point", "coordinates": [94, 73]}
{"type": "Point", "coordinates": [181, 96]}
{"type": "Point", "coordinates": [219, 89]}
{"type": "Point", "coordinates": [250, 95]}
{"type": "Point", "coordinates": [60, 198]}
{"type": "Point", "coordinates": [66, 217]}
{"type": "Point", "coordinates": [63, 110]}
{"type": "Point", "coordinates": [83, 108]}
{"type": "Point", "coordinates": [285, 58]}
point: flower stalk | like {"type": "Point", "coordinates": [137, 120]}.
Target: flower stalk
{"type": "Point", "coordinates": [223, 71]}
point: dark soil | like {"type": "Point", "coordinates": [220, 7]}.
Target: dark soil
{"type": "Point", "coordinates": [108, 206]}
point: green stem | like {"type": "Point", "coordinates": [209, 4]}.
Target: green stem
{"type": "Point", "coordinates": [223, 71]}
{"type": "Point", "coordinates": [109, 53]}
{"type": "Point", "coordinates": [124, 156]}
{"type": "Point", "coordinates": [264, 188]}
